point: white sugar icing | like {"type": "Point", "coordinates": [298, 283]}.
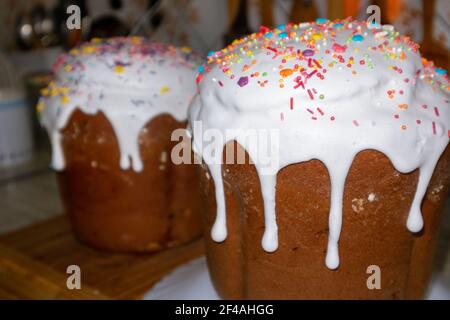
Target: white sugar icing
{"type": "Point", "coordinates": [331, 90]}
{"type": "Point", "coordinates": [130, 80]}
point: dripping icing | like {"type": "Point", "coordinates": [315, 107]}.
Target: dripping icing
{"type": "Point", "coordinates": [129, 80]}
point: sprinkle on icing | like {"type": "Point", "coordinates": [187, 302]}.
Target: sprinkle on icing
{"type": "Point", "coordinates": [130, 80]}
{"type": "Point", "coordinates": [349, 87]}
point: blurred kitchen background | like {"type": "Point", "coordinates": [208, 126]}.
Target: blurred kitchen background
{"type": "Point", "coordinates": [34, 32]}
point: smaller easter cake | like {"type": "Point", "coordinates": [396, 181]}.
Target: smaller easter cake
{"type": "Point", "coordinates": [110, 113]}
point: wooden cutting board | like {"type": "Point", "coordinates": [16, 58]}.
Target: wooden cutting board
{"type": "Point", "coordinates": [34, 260]}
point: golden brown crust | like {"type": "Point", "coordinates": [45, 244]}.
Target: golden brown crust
{"type": "Point", "coordinates": [373, 232]}
{"type": "Point", "coordinates": [122, 210]}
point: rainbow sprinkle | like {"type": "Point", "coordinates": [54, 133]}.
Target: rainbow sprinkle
{"type": "Point", "coordinates": [321, 50]}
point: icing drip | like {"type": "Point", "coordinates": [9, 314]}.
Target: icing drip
{"type": "Point", "coordinates": [57, 153]}
{"type": "Point", "coordinates": [127, 131]}
{"type": "Point", "coordinates": [130, 80]}
{"type": "Point", "coordinates": [219, 229]}
{"type": "Point", "coordinates": [415, 219]}
{"type": "Point", "coordinates": [338, 173]}
{"type": "Point", "coordinates": [331, 90]}
{"type": "Point", "coordinates": [270, 237]}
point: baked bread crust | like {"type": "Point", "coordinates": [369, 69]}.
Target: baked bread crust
{"type": "Point", "coordinates": [373, 232]}
{"type": "Point", "coordinates": [123, 210]}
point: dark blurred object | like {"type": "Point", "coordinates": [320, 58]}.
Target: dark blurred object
{"type": "Point", "coordinates": [150, 20]}
{"type": "Point", "coordinates": [384, 9]}
{"type": "Point", "coordinates": [37, 29]}
{"type": "Point", "coordinates": [116, 4]}
{"type": "Point", "coordinates": [240, 26]}
{"type": "Point", "coordinates": [110, 25]}
{"type": "Point", "coordinates": [430, 48]}
{"type": "Point", "coordinates": [25, 37]}
{"type": "Point", "coordinates": [155, 19]}
{"type": "Point", "coordinates": [106, 27]}
{"type": "Point", "coordinates": [44, 26]}
{"type": "Point", "coordinates": [267, 13]}
{"type": "Point", "coordinates": [34, 83]}
{"type": "Point", "coordinates": [70, 38]}
{"type": "Point", "coordinates": [303, 10]}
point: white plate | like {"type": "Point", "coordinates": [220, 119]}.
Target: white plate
{"type": "Point", "coordinates": [191, 281]}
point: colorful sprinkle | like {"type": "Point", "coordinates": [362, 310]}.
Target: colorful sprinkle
{"type": "Point", "coordinates": [308, 53]}
{"type": "Point", "coordinates": [357, 38]}
{"type": "Point", "coordinates": [321, 20]}
{"type": "Point", "coordinates": [186, 49]}
{"type": "Point", "coordinates": [199, 78]}
{"type": "Point", "coordinates": [65, 100]}
{"type": "Point", "coordinates": [440, 71]}
{"type": "Point", "coordinates": [436, 111]}
{"type": "Point", "coordinates": [286, 72]}
{"type": "Point", "coordinates": [40, 106]}
{"type": "Point", "coordinates": [119, 68]}
{"type": "Point", "coordinates": [264, 29]}
{"type": "Point", "coordinates": [164, 89]}
{"type": "Point", "coordinates": [243, 81]}
{"type": "Point", "coordinates": [338, 48]}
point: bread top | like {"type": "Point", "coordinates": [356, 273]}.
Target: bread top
{"type": "Point", "coordinates": [129, 79]}
{"type": "Point", "coordinates": [359, 75]}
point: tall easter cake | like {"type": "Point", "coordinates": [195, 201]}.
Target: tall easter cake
{"type": "Point", "coordinates": [359, 162]}
{"type": "Point", "coordinates": [110, 114]}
